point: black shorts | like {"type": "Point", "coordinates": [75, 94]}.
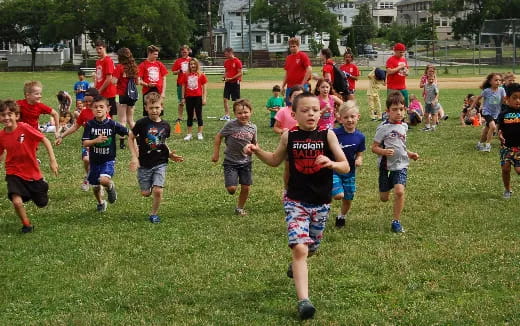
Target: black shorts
{"type": "Point", "coordinates": [488, 119]}
{"type": "Point", "coordinates": [113, 106]}
{"type": "Point", "coordinates": [124, 99]}
{"type": "Point", "coordinates": [37, 191]}
{"type": "Point", "coordinates": [232, 91]}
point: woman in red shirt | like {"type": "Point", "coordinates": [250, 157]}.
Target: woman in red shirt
{"type": "Point", "coordinates": [194, 95]}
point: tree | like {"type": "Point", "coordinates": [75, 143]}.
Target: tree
{"type": "Point", "coordinates": [28, 22]}
{"type": "Point", "coordinates": [199, 14]}
{"type": "Point", "coordinates": [363, 25]}
{"type": "Point", "coordinates": [295, 17]}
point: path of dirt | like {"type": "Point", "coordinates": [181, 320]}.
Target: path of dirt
{"type": "Point", "coordinates": [452, 83]}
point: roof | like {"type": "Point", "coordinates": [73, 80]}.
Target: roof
{"type": "Point", "coordinates": [235, 5]}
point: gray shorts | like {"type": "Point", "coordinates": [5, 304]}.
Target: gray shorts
{"type": "Point", "coordinates": [238, 173]}
{"type": "Point", "coordinates": [432, 109]}
{"type": "Point", "coordinates": [150, 177]}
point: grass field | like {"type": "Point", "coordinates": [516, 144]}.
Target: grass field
{"type": "Point", "coordinates": [457, 264]}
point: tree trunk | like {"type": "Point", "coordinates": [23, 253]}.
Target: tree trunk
{"type": "Point", "coordinates": [498, 49]}
{"type": "Point", "coordinates": [333, 45]}
{"type": "Point", "coordinates": [33, 58]}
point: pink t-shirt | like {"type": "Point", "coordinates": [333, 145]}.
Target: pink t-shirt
{"type": "Point", "coordinates": [284, 116]}
{"type": "Point", "coordinates": [328, 117]}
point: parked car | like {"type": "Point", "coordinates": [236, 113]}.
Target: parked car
{"type": "Point", "coordinates": [367, 51]}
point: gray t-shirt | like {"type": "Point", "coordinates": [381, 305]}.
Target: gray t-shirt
{"type": "Point", "coordinates": [393, 135]}
{"type": "Point", "coordinates": [430, 92]}
{"type": "Point", "coordinates": [492, 101]}
{"type": "Point", "coordinates": [236, 137]}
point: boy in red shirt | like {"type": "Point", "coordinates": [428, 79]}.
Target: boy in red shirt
{"type": "Point", "coordinates": [351, 71]}
{"type": "Point", "coordinates": [179, 68]}
{"type": "Point", "coordinates": [396, 72]}
{"type": "Point", "coordinates": [22, 172]}
{"type": "Point", "coordinates": [152, 74]}
{"type": "Point", "coordinates": [232, 77]}
{"type": "Point", "coordinates": [104, 72]}
{"type": "Point", "coordinates": [31, 107]}
{"type": "Point", "coordinates": [298, 69]}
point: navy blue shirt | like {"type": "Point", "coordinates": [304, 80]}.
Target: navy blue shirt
{"type": "Point", "coordinates": [105, 151]}
{"type": "Point", "coordinates": [351, 144]}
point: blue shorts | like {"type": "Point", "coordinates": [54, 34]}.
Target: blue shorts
{"type": "Point", "coordinates": [388, 179]}
{"type": "Point", "coordinates": [305, 222]}
{"type": "Point", "coordinates": [96, 171]}
{"type": "Point", "coordinates": [151, 177]}
{"type": "Point", "coordinates": [84, 152]}
{"type": "Point", "coordinates": [345, 183]}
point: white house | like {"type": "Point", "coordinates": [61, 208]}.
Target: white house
{"type": "Point", "coordinates": [416, 12]}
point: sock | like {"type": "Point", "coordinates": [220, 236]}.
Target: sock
{"type": "Point", "coordinates": [341, 217]}
{"type": "Point", "coordinates": [428, 126]}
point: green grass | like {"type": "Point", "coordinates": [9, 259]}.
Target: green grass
{"type": "Point", "coordinates": [457, 264]}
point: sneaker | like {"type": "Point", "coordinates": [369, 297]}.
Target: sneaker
{"type": "Point", "coordinates": [154, 219]}
{"type": "Point", "coordinates": [507, 194]}
{"type": "Point", "coordinates": [101, 207]}
{"type": "Point", "coordinates": [289, 271]}
{"type": "Point", "coordinates": [426, 129]}
{"type": "Point", "coordinates": [479, 146]}
{"type": "Point", "coordinates": [27, 228]}
{"type": "Point", "coordinates": [225, 118]}
{"type": "Point", "coordinates": [306, 309]}
{"type": "Point", "coordinates": [200, 136]}
{"type": "Point", "coordinates": [122, 145]}
{"type": "Point", "coordinates": [178, 120]}
{"type": "Point", "coordinates": [112, 194]}
{"type": "Point", "coordinates": [85, 185]}
{"type": "Point", "coordinates": [445, 117]}
{"type": "Point", "coordinates": [340, 221]}
{"type": "Point", "coordinates": [485, 148]}
{"type": "Point", "coordinates": [188, 137]}
{"type": "Point", "coordinates": [397, 227]}
{"type": "Point", "coordinates": [240, 212]}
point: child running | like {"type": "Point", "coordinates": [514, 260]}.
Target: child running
{"type": "Point", "coordinates": [274, 103]}
{"type": "Point", "coordinates": [328, 104]}
{"type": "Point", "coordinates": [237, 166]}
{"type": "Point", "coordinates": [22, 171]}
{"type": "Point", "coordinates": [194, 95]}
{"type": "Point", "coordinates": [307, 201]}
{"type": "Point", "coordinates": [284, 117]}
{"type": "Point", "coordinates": [390, 144]}
{"type": "Point", "coordinates": [509, 134]}
{"type": "Point", "coordinates": [352, 142]}
{"type": "Point", "coordinates": [151, 159]}
{"type": "Point", "coordinates": [493, 96]}
{"type": "Point", "coordinates": [100, 137]}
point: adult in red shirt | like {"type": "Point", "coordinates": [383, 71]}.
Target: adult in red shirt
{"type": "Point", "coordinates": [328, 65]}
{"type": "Point", "coordinates": [396, 72]}
{"type": "Point", "coordinates": [351, 71]}
{"type": "Point", "coordinates": [194, 95]}
{"type": "Point", "coordinates": [179, 68]}
{"type": "Point", "coordinates": [298, 68]}
{"type": "Point", "coordinates": [31, 106]}
{"type": "Point", "coordinates": [104, 71]}
{"type": "Point", "coordinates": [152, 75]}
{"type": "Point", "coordinates": [232, 78]}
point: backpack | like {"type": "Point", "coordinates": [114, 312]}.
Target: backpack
{"type": "Point", "coordinates": [340, 84]}
{"type": "Point", "coordinates": [131, 90]}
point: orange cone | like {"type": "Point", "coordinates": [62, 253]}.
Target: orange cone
{"type": "Point", "coordinates": [476, 121]}
{"type": "Point", "coordinates": [178, 127]}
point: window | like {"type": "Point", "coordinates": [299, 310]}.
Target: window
{"type": "Point", "coordinates": [303, 39]}
{"type": "Point", "coordinates": [278, 38]}
{"type": "Point", "coordinates": [239, 34]}
{"type": "Point", "coordinates": [445, 22]}
{"type": "Point", "coordinates": [271, 38]}
{"type": "Point", "coordinates": [351, 5]}
{"type": "Point", "coordinates": [285, 39]}
{"type": "Point", "coordinates": [258, 39]}
{"type": "Point", "coordinates": [386, 5]}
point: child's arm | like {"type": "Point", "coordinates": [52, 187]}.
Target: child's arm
{"type": "Point", "coordinates": [359, 159]}
{"type": "Point", "coordinates": [172, 156]}
{"type": "Point", "coordinates": [337, 100]}
{"type": "Point", "coordinates": [377, 149]}
{"type": "Point", "coordinates": [414, 156]}
{"type": "Point", "coordinates": [216, 147]}
{"type": "Point", "coordinates": [278, 128]}
{"type": "Point", "coordinates": [270, 158]}
{"type": "Point", "coordinates": [341, 163]}
{"type": "Point", "coordinates": [53, 164]}
{"type": "Point", "coordinates": [183, 91]}
{"type": "Point", "coordinates": [56, 118]}
{"type": "Point", "coordinates": [477, 99]}
{"type": "Point", "coordinates": [67, 132]}
{"type": "Point", "coordinates": [204, 94]}
{"type": "Point", "coordinates": [134, 160]}
{"type": "Point", "coordinates": [163, 87]}
{"type": "Point", "coordinates": [90, 142]}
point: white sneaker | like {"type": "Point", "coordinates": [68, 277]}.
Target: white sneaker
{"type": "Point", "coordinates": [188, 137]}
{"type": "Point", "coordinates": [486, 148]}
{"type": "Point", "coordinates": [507, 194]}
{"type": "Point", "coordinates": [85, 185]}
{"type": "Point", "coordinates": [199, 136]}
{"type": "Point", "coordinates": [225, 118]}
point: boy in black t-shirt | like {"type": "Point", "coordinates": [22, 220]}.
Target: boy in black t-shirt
{"type": "Point", "coordinates": [310, 153]}
{"type": "Point", "coordinates": [151, 159]}
{"type": "Point", "coordinates": [509, 134]}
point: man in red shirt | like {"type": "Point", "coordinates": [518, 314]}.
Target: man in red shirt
{"type": "Point", "coordinates": [22, 171]}
{"type": "Point", "coordinates": [152, 74]}
{"type": "Point", "coordinates": [31, 106]}
{"type": "Point", "coordinates": [396, 72]}
{"type": "Point", "coordinates": [104, 71]}
{"type": "Point", "coordinates": [232, 77]}
{"type": "Point", "coordinates": [351, 71]}
{"type": "Point", "coordinates": [179, 68]}
{"type": "Point", "coordinates": [298, 69]}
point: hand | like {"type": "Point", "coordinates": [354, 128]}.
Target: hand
{"type": "Point", "coordinates": [388, 152]}
{"type": "Point", "coordinates": [101, 139]}
{"type": "Point", "coordinates": [347, 74]}
{"type": "Point", "coordinates": [58, 141]}
{"type": "Point", "coordinates": [176, 158]}
{"type": "Point", "coordinates": [250, 149]}
{"type": "Point", "coordinates": [214, 157]}
{"type": "Point", "coordinates": [203, 101]}
{"type": "Point", "coordinates": [134, 164]}
{"type": "Point", "coordinates": [413, 156]}
{"type": "Point", "coordinates": [359, 161]}
{"type": "Point", "coordinates": [324, 161]}
{"type": "Point", "coordinates": [54, 167]}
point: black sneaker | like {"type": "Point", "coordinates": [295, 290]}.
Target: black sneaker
{"type": "Point", "coordinates": [289, 271]}
{"type": "Point", "coordinates": [306, 309]}
{"type": "Point", "coordinates": [445, 117]}
{"type": "Point", "coordinates": [112, 194]}
{"type": "Point", "coordinates": [122, 144]}
{"type": "Point", "coordinates": [340, 222]}
{"type": "Point", "coordinates": [27, 228]}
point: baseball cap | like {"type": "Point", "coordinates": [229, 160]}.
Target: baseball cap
{"type": "Point", "coordinates": [92, 92]}
{"type": "Point", "coordinates": [399, 47]}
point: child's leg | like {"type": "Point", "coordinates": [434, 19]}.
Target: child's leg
{"type": "Point", "coordinates": [19, 208]}
{"type": "Point", "coordinates": [398, 201]}
{"type": "Point", "coordinates": [435, 119]}
{"type": "Point", "coordinates": [97, 193]}
{"type": "Point", "coordinates": [300, 270]}
{"type": "Point", "coordinates": [483, 135]}
{"type": "Point", "coordinates": [345, 206]}
{"type": "Point", "coordinates": [377, 106]}
{"type": "Point", "coordinates": [198, 113]}
{"type": "Point", "coordinates": [492, 128]}
{"type": "Point", "coordinates": [105, 181]}
{"type": "Point", "coordinates": [121, 113]}
{"type": "Point", "coordinates": [506, 175]}
{"type": "Point", "coordinates": [230, 179]}
{"type": "Point", "coordinates": [226, 106]}
{"type": "Point", "coordinates": [190, 109]}
{"type": "Point", "coordinates": [244, 194]}
{"type": "Point", "coordinates": [130, 116]}
{"type": "Point", "coordinates": [157, 198]}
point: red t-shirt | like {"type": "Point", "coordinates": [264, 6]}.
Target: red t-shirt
{"type": "Point", "coordinates": [30, 113]}
{"type": "Point", "coordinates": [105, 67]}
{"type": "Point", "coordinates": [86, 115]}
{"type": "Point", "coordinates": [193, 84]}
{"type": "Point", "coordinates": [328, 67]}
{"type": "Point", "coordinates": [181, 65]}
{"type": "Point", "coordinates": [296, 67]}
{"type": "Point", "coordinates": [232, 66]}
{"type": "Point", "coordinates": [152, 72]}
{"type": "Point", "coordinates": [354, 71]}
{"type": "Point", "coordinates": [21, 145]}
{"type": "Point", "coordinates": [122, 81]}
{"type": "Point", "coordinates": [397, 80]}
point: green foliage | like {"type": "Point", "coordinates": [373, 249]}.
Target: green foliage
{"type": "Point", "coordinates": [363, 25]}
{"type": "Point", "coordinates": [295, 17]}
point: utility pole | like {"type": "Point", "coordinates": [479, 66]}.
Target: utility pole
{"type": "Point", "coordinates": [250, 38]}
{"type": "Point", "coordinates": [210, 31]}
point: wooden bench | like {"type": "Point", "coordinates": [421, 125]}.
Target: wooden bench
{"type": "Point", "coordinates": [217, 70]}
